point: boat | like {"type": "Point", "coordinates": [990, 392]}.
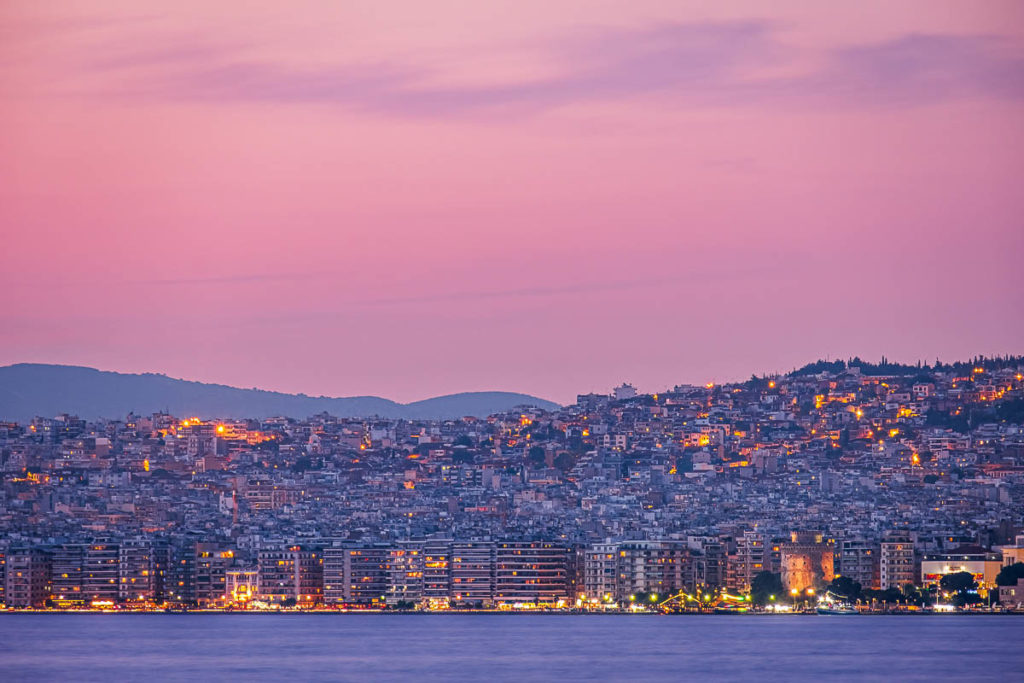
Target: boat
{"type": "Point", "coordinates": [730, 609]}
{"type": "Point", "coordinates": [837, 608]}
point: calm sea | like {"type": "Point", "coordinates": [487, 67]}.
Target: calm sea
{"type": "Point", "coordinates": [304, 647]}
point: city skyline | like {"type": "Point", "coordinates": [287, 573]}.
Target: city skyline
{"type": "Point", "coordinates": [427, 200]}
{"type": "Point", "coordinates": [838, 489]}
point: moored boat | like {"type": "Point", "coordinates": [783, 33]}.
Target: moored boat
{"type": "Point", "coordinates": [837, 608]}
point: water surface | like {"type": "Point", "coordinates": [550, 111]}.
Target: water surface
{"type": "Point", "coordinates": [349, 647]}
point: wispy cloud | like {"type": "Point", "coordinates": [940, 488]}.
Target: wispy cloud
{"type": "Point", "coordinates": [244, 278]}
{"type": "Point", "coordinates": [691, 64]}
{"type": "Point", "coordinates": [919, 69]}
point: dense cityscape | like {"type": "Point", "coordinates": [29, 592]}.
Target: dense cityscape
{"type": "Point", "coordinates": [865, 486]}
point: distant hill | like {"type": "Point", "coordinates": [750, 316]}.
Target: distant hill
{"type": "Point", "coordinates": [30, 389]}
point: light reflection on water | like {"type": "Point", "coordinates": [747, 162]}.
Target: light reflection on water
{"type": "Point", "coordinates": [99, 647]}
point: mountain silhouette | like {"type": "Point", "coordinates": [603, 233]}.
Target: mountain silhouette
{"type": "Point", "coordinates": [28, 390]}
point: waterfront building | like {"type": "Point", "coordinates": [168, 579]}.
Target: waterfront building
{"type": "Point", "coordinates": [472, 573]}
{"type": "Point", "coordinates": [534, 572]}
{"type": "Point", "coordinates": [138, 579]}
{"type": "Point", "coordinates": [241, 585]}
{"type": "Point", "coordinates": [600, 574]}
{"type": "Point", "coordinates": [209, 573]}
{"type": "Point", "coordinates": [27, 577]}
{"type": "Point", "coordinates": [101, 572]}
{"type": "Point", "coordinates": [980, 563]}
{"type": "Point", "coordinates": [405, 573]}
{"type": "Point", "coordinates": [749, 560]}
{"type": "Point", "coordinates": [807, 561]}
{"type": "Point", "coordinates": [616, 571]}
{"type": "Point", "coordinates": [858, 560]}
{"type": "Point", "coordinates": [365, 576]}
{"type": "Point", "coordinates": [68, 560]}
{"type": "Point", "coordinates": [436, 572]}
{"type": "Point", "coordinates": [896, 566]}
{"type": "Point", "coordinates": [292, 574]}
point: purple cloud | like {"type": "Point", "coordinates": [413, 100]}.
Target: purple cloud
{"type": "Point", "coordinates": [918, 69]}
{"type": "Point", "coordinates": [691, 64]}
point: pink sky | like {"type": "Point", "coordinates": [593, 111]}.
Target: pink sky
{"type": "Point", "coordinates": [409, 199]}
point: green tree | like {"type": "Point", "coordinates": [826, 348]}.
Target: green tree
{"type": "Point", "coordinates": [966, 598]}
{"type": "Point", "coordinates": [564, 461]}
{"type": "Point", "coordinates": [845, 587]}
{"type": "Point", "coordinates": [889, 596]}
{"type": "Point", "coordinates": [1010, 574]}
{"type": "Point", "coordinates": [765, 585]}
{"type": "Point", "coordinates": [958, 582]}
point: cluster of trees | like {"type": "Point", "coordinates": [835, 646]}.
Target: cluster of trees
{"type": "Point", "coordinates": [764, 587]}
{"type": "Point", "coordinates": [1010, 574]}
{"type": "Point", "coordinates": [887, 367]}
{"type": "Point", "coordinates": [960, 589]}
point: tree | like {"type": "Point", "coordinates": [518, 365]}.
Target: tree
{"type": "Point", "coordinates": [1010, 574]}
{"type": "Point", "coordinates": [764, 586]}
{"type": "Point", "coordinates": [564, 461]}
{"type": "Point", "coordinates": [845, 587]}
{"type": "Point", "coordinates": [958, 582]}
{"type": "Point", "coordinates": [914, 594]}
{"type": "Point", "coordinates": [966, 598]}
{"type": "Point", "coordinates": [888, 596]}
{"type": "Point", "coordinates": [536, 455]}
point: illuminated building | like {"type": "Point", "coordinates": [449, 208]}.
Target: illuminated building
{"type": "Point", "coordinates": [334, 575]}
{"type": "Point", "coordinates": [1012, 596]}
{"type": "Point", "coordinates": [405, 573]}
{"type": "Point", "coordinates": [294, 573]}
{"type": "Point", "coordinates": [68, 561]}
{"type": "Point", "coordinates": [472, 573]}
{"type": "Point", "coordinates": [858, 560]}
{"type": "Point", "coordinates": [896, 563]}
{"type": "Point", "coordinates": [618, 570]}
{"type": "Point", "coordinates": [748, 561]}
{"type": "Point", "coordinates": [807, 561]}
{"type": "Point", "coordinates": [137, 571]}
{"type": "Point", "coordinates": [600, 571]}
{"type": "Point", "coordinates": [356, 575]}
{"type": "Point", "coordinates": [436, 575]}
{"type": "Point", "coordinates": [983, 565]}
{"type": "Point", "coordinates": [1013, 553]}
{"type": "Point", "coordinates": [27, 577]}
{"type": "Point", "coordinates": [708, 565]}
{"type": "Point", "coordinates": [209, 582]}
{"type": "Point", "coordinates": [100, 572]}
{"type": "Point", "coordinates": [531, 572]}
{"type": "Point", "coordinates": [241, 585]}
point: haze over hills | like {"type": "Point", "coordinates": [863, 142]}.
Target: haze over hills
{"type": "Point", "coordinates": [34, 389]}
